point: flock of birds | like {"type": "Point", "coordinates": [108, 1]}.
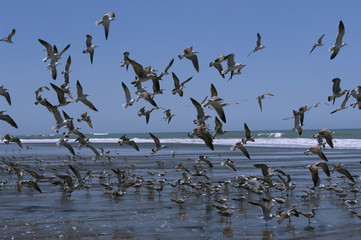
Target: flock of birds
{"type": "Point", "coordinates": [253, 184]}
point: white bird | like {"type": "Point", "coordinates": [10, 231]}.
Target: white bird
{"type": "Point", "coordinates": [129, 100]}
{"type": "Point", "coordinates": [259, 45]}
{"type": "Point", "coordinates": [191, 55]}
{"type": "Point", "coordinates": [343, 105]}
{"type": "Point", "coordinates": [336, 90]}
{"type": "Point", "coordinates": [105, 21]}
{"type": "Point", "coordinates": [158, 146]}
{"type": "Point", "coordinates": [266, 208]}
{"type": "Point", "coordinates": [90, 47]}
{"type": "Point", "coordinates": [82, 97]}
{"type": "Point", "coordinates": [318, 44]}
{"type": "Point", "coordinates": [178, 88]}
{"type": "Point", "coordinates": [262, 97]}
{"type": "Point", "coordinates": [338, 44]}
{"type": "Point", "coordinates": [8, 38]}
{"type": "Point", "coordinates": [217, 64]}
{"type": "Point", "coordinates": [216, 103]}
{"type": "Point", "coordinates": [232, 66]}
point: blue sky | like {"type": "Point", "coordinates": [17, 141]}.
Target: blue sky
{"type": "Point", "coordinates": [154, 32]}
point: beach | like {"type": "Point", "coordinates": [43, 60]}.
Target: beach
{"type": "Point", "coordinates": [142, 212]}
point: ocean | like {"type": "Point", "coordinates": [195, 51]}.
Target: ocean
{"type": "Point", "coordinates": [147, 211]}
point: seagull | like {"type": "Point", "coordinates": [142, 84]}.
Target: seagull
{"type": "Point", "coordinates": [64, 142]}
{"type": "Point", "coordinates": [89, 47]}
{"type": "Point", "coordinates": [5, 93]}
{"type": "Point", "coordinates": [232, 66]}
{"type": "Point", "coordinates": [86, 118]}
{"type": "Point", "coordinates": [202, 132]}
{"type": "Point", "coordinates": [314, 171]}
{"type": "Point", "coordinates": [266, 171]}
{"type": "Point", "coordinates": [316, 150]}
{"type": "Point", "coordinates": [318, 44]}
{"type": "Point", "coordinates": [191, 55]}
{"type": "Point", "coordinates": [9, 138]}
{"type": "Point", "coordinates": [167, 68]}
{"type": "Point", "coordinates": [338, 44]}
{"type": "Point", "coordinates": [343, 105]}
{"type": "Point", "coordinates": [340, 169]}
{"type": "Point", "coordinates": [146, 113]}
{"type": "Point", "coordinates": [82, 97]}
{"type": "Point", "coordinates": [218, 128]}
{"type": "Point", "coordinates": [262, 97]}
{"type": "Point", "coordinates": [287, 214]}
{"type": "Point", "coordinates": [105, 21]}
{"type": "Point", "coordinates": [178, 88]}
{"type": "Point", "coordinates": [158, 146]}
{"type": "Point", "coordinates": [247, 133]}
{"type": "Point", "coordinates": [126, 62]}
{"type": "Point", "coordinates": [67, 70]}
{"type": "Point", "coordinates": [129, 100]}
{"type": "Point", "coordinates": [63, 101]}
{"type": "Point", "coordinates": [8, 38]}
{"type": "Point", "coordinates": [146, 96]}
{"type": "Point", "coordinates": [52, 67]}
{"type": "Point", "coordinates": [7, 119]}
{"type": "Point", "coordinates": [142, 74]}
{"type": "Point", "coordinates": [309, 215]}
{"type": "Point", "coordinates": [356, 93]}
{"type": "Point", "coordinates": [52, 52]}
{"type": "Point", "coordinates": [336, 90]}
{"type": "Point", "coordinates": [156, 86]}
{"type": "Point", "coordinates": [204, 159]}
{"type": "Point", "coordinates": [168, 116]}
{"type": "Point", "coordinates": [216, 103]}
{"type": "Point", "coordinates": [124, 140]}
{"type": "Point", "coordinates": [241, 148]}
{"type": "Point", "coordinates": [259, 45]}
{"type": "Point", "coordinates": [266, 206]}
{"type": "Point", "coordinates": [229, 163]}
{"type": "Point", "coordinates": [201, 116]}
{"type": "Point", "coordinates": [326, 134]}
{"type": "Point", "coordinates": [297, 125]}
{"type": "Point", "coordinates": [60, 122]}
{"type": "Point", "coordinates": [217, 64]}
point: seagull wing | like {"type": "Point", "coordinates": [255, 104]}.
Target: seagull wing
{"type": "Point", "coordinates": [9, 120]}
{"type": "Point", "coordinates": [341, 32]}
{"type": "Point", "coordinates": [127, 92]}
{"type": "Point", "coordinates": [79, 89]}
{"type": "Point", "coordinates": [156, 140]}
{"type": "Point", "coordinates": [200, 112]}
{"type": "Point", "coordinates": [176, 80]}
{"type": "Point", "coordinates": [194, 60]}
{"type": "Point", "coordinates": [89, 104]}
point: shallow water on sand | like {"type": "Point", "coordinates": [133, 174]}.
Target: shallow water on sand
{"type": "Point", "coordinates": [93, 213]}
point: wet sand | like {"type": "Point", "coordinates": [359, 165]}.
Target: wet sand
{"type": "Point", "coordinates": [143, 213]}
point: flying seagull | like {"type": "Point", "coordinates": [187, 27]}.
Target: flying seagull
{"type": "Point", "coordinates": [343, 105]}
{"type": "Point", "coordinates": [129, 100]}
{"type": "Point", "coordinates": [262, 97]}
{"type": "Point", "coordinates": [82, 97]}
{"type": "Point", "coordinates": [232, 66]}
{"type": "Point", "coordinates": [85, 117]}
{"type": "Point", "coordinates": [158, 146]}
{"type": "Point", "coordinates": [8, 38]}
{"type": "Point", "coordinates": [217, 64]}
{"type": "Point", "coordinates": [338, 44]}
{"type": "Point", "coordinates": [318, 44]}
{"type": "Point", "coordinates": [89, 47]}
{"type": "Point", "coordinates": [124, 140]}
{"type": "Point", "coordinates": [336, 90]}
{"type": "Point", "coordinates": [178, 88]}
{"type": "Point", "coordinates": [216, 103]}
{"type": "Point", "coordinates": [5, 93]}
{"type": "Point", "coordinates": [259, 45]}
{"type": "Point", "coordinates": [7, 119]}
{"type": "Point", "coordinates": [191, 55]}
{"type": "Point", "coordinates": [67, 70]}
{"type": "Point", "coordinates": [105, 21]}
{"type": "Point", "coordinates": [201, 116]}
